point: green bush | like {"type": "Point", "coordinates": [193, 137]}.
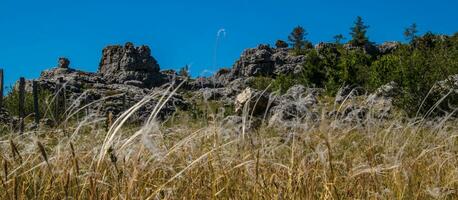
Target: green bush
{"type": "Point", "coordinates": [283, 82]}
{"type": "Point", "coordinates": [11, 102]}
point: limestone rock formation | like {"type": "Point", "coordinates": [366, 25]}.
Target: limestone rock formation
{"type": "Point", "coordinates": [296, 105]}
{"type": "Point", "coordinates": [347, 92]}
{"type": "Point", "coordinates": [255, 62]}
{"type": "Point", "coordinates": [266, 61]}
{"type": "Point", "coordinates": [388, 47]}
{"type": "Point", "coordinates": [120, 64]}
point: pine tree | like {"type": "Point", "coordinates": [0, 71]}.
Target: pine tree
{"type": "Point", "coordinates": [297, 39]}
{"type": "Point", "coordinates": [410, 32]}
{"type": "Point", "coordinates": [358, 33]}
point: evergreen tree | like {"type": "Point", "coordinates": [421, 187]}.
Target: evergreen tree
{"type": "Point", "coordinates": [297, 39]}
{"type": "Point", "coordinates": [358, 33]}
{"type": "Point", "coordinates": [410, 32]}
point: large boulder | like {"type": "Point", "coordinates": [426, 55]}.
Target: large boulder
{"type": "Point", "coordinates": [129, 63]}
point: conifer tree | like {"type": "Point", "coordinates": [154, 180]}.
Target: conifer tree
{"type": "Point", "coordinates": [358, 33]}
{"type": "Point", "coordinates": [410, 32]}
{"type": "Point", "coordinates": [297, 39]}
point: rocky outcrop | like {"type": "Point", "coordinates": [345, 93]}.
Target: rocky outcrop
{"type": "Point", "coordinates": [296, 105]}
{"type": "Point", "coordinates": [127, 74]}
{"type": "Point", "coordinates": [347, 92]}
{"type": "Point", "coordinates": [451, 83]}
{"type": "Point", "coordinates": [286, 62]}
{"type": "Point", "coordinates": [123, 80]}
{"type": "Point", "coordinates": [267, 61]}
{"type": "Point", "coordinates": [369, 48]}
{"type": "Point", "coordinates": [378, 105]}
{"type": "Point", "coordinates": [120, 64]}
{"type": "Point", "coordinates": [388, 47]}
{"type": "Point", "coordinates": [255, 62]}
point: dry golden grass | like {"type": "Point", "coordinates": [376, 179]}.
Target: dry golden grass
{"type": "Point", "coordinates": [390, 159]}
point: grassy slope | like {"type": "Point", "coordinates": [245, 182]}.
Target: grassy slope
{"type": "Point", "coordinates": [186, 158]}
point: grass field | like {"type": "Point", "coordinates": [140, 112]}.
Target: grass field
{"type": "Point", "coordinates": [390, 159]}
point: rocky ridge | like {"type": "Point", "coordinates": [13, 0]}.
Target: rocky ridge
{"type": "Point", "coordinates": [127, 74]}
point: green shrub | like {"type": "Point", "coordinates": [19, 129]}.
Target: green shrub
{"type": "Point", "coordinates": [283, 82]}
{"type": "Point", "coordinates": [11, 102]}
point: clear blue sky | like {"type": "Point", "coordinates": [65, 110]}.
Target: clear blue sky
{"type": "Point", "coordinates": [34, 33]}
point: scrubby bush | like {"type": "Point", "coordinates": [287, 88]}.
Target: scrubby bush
{"type": "Point", "coordinates": [281, 44]}
{"type": "Point", "coordinates": [11, 102]}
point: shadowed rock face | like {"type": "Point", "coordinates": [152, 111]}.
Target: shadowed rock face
{"type": "Point", "coordinates": [120, 64]}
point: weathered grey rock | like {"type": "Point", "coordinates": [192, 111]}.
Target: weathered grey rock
{"type": "Point", "coordinates": [255, 62]}
{"type": "Point", "coordinates": [296, 105]}
{"type": "Point", "coordinates": [388, 47]}
{"type": "Point", "coordinates": [287, 63]}
{"type": "Point", "coordinates": [266, 61]}
{"type": "Point", "coordinates": [347, 92]}
{"type": "Point", "coordinates": [354, 114]}
{"type": "Point", "coordinates": [126, 63]}
{"type": "Point", "coordinates": [256, 101]}
{"type": "Point", "coordinates": [387, 91]}
{"type": "Point", "coordinates": [223, 77]}
{"type": "Point", "coordinates": [378, 105]}
{"type": "Point", "coordinates": [367, 48]}
{"type": "Point", "coordinates": [451, 83]}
